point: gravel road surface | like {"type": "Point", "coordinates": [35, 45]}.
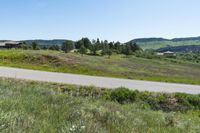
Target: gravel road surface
{"type": "Point", "coordinates": [76, 79]}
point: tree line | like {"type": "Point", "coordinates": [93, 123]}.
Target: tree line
{"type": "Point", "coordinates": [86, 46]}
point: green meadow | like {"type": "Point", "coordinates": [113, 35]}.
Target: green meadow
{"type": "Point", "coordinates": [119, 66]}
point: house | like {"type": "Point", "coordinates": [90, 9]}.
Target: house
{"type": "Point", "coordinates": [9, 44]}
{"type": "Point", "coordinates": [160, 54]}
{"type": "Point", "coordinates": [167, 53]}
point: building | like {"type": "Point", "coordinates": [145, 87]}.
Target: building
{"type": "Point", "coordinates": [160, 54]}
{"type": "Point", "coordinates": [167, 53]}
{"type": "Point", "coordinates": [9, 44]}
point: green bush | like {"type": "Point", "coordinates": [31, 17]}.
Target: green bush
{"type": "Point", "coordinates": [165, 102]}
{"type": "Point", "coordinates": [188, 100]}
{"type": "Point", "coordinates": [194, 100]}
{"type": "Point", "coordinates": [123, 95]}
{"type": "Point", "coordinates": [156, 101]}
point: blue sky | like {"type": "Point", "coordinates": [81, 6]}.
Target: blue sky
{"type": "Point", "coordinates": [113, 20]}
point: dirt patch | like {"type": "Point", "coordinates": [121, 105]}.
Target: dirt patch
{"type": "Point", "coordinates": [43, 59]}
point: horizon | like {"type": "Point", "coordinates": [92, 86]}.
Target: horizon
{"type": "Point", "coordinates": [112, 20]}
{"type": "Point", "coordinates": [102, 39]}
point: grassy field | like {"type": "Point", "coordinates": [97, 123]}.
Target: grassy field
{"type": "Point", "coordinates": [166, 70]}
{"type": "Point", "coordinates": [44, 107]}
{"type": "Point", "coordinates": [161, 44]}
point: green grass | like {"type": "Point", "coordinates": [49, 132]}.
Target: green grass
{"type": "Point", "coordinates": [161, 44]}
{"type": "Point", "coordinates": [165, 70]}
{"type": "Point", "coordinates": [44, 107]}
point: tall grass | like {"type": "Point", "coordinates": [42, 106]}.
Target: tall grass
{"type": "Point", "coordinates": [44, 107]}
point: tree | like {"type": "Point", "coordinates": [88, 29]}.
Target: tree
{"type": "Point", "coordinates": [67, 46]}
{"type": "Point", "coordinates": [109, 53]}
{"type": "Point", "coordinates": [34, 46]}
{"type": "Point", "coordinates": [127, 50]}
{"type": "Point", "coordinates": [111, 45]}
{"type": "Point", "coordinates": [94, 49]}
{"type": "Point", "coordinates": [104, 47]}
{"type": "Point", "coordinates": [54, 47]}
{"type": "Point", "coordinates": [25, 46]}
{"type": "Point", "coordinates": [82, 50]}
{"type": "Point", "coordinates": [134, 47]}
{"type": "Point", "coordinates": [117, 47]}
{"type": "Point", "coordinates": [78, 44]}
{"type": "Point", "coordinates": [84, 41]}
{"type": "Point", "coordinates": [87, 43]}
{"type": "Point", "coordinates": [103, 52]}
{"type": "Point", "coordinates": [95, 46]}
{"type": "Point", "coordinates": [98, 41]}
{"type": "Point", "coordinates": [43, 47]}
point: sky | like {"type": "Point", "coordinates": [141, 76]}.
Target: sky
{"type": "Point", "coordinates": [113, 20]}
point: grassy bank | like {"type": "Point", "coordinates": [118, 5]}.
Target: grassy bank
{"type": "Point", "coordinates": [45, 107]}
{"type": "Point", "coordinates": [117, 66]}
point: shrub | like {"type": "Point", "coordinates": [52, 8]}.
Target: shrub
{"type": "Point", "coordinates": [164, 102]}
{"type": "Point", "coordinates": [194, 100]}
{"type": "Point", "coordinates": [188, 100]}
{"type": "Point", "coordinates": [123, 95]}
{"type": "Point", "coordinates": [169, 104]}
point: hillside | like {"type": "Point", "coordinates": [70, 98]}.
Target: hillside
{"type": "Point", "coordinates": [156, 43]}
{"type": "Point", "coordinates": [46, 42]}
{"type": "Point", "coordinates": [188, 48]}
{"type": "Point", "coordinates": [166, 70]}
{"type": "Point", "coordinates": [145, 43]}
{"type": "Point", "coordinates": [143, 40]}
{"type": "Point", "coordinates": [34, 107]}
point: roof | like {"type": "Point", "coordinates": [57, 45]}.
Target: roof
{"type": "Point", "coordinates": [168, 52]}
{"type": "Point", "coordinates": [9, 42]}
{"type": "Point", "coordinates": [160, 53]}
{"type": "Point", "coordinates": [2, 44]}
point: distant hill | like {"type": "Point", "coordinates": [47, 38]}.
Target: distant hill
{"type": "Point", "coordinates": [4, 40]}
{"type": "Point", "coordinates": [144, 43]}
{"type": "Point", "coordinates": [46, 42]}
{"type": "Point", "coordinates": [186, 39]}
{"type": "Point", "coordinates": [156, 43]}
{"type": "Point", "coordinates": [190, 48]}
{"type": "Point", "coordinates": [142, 40]}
